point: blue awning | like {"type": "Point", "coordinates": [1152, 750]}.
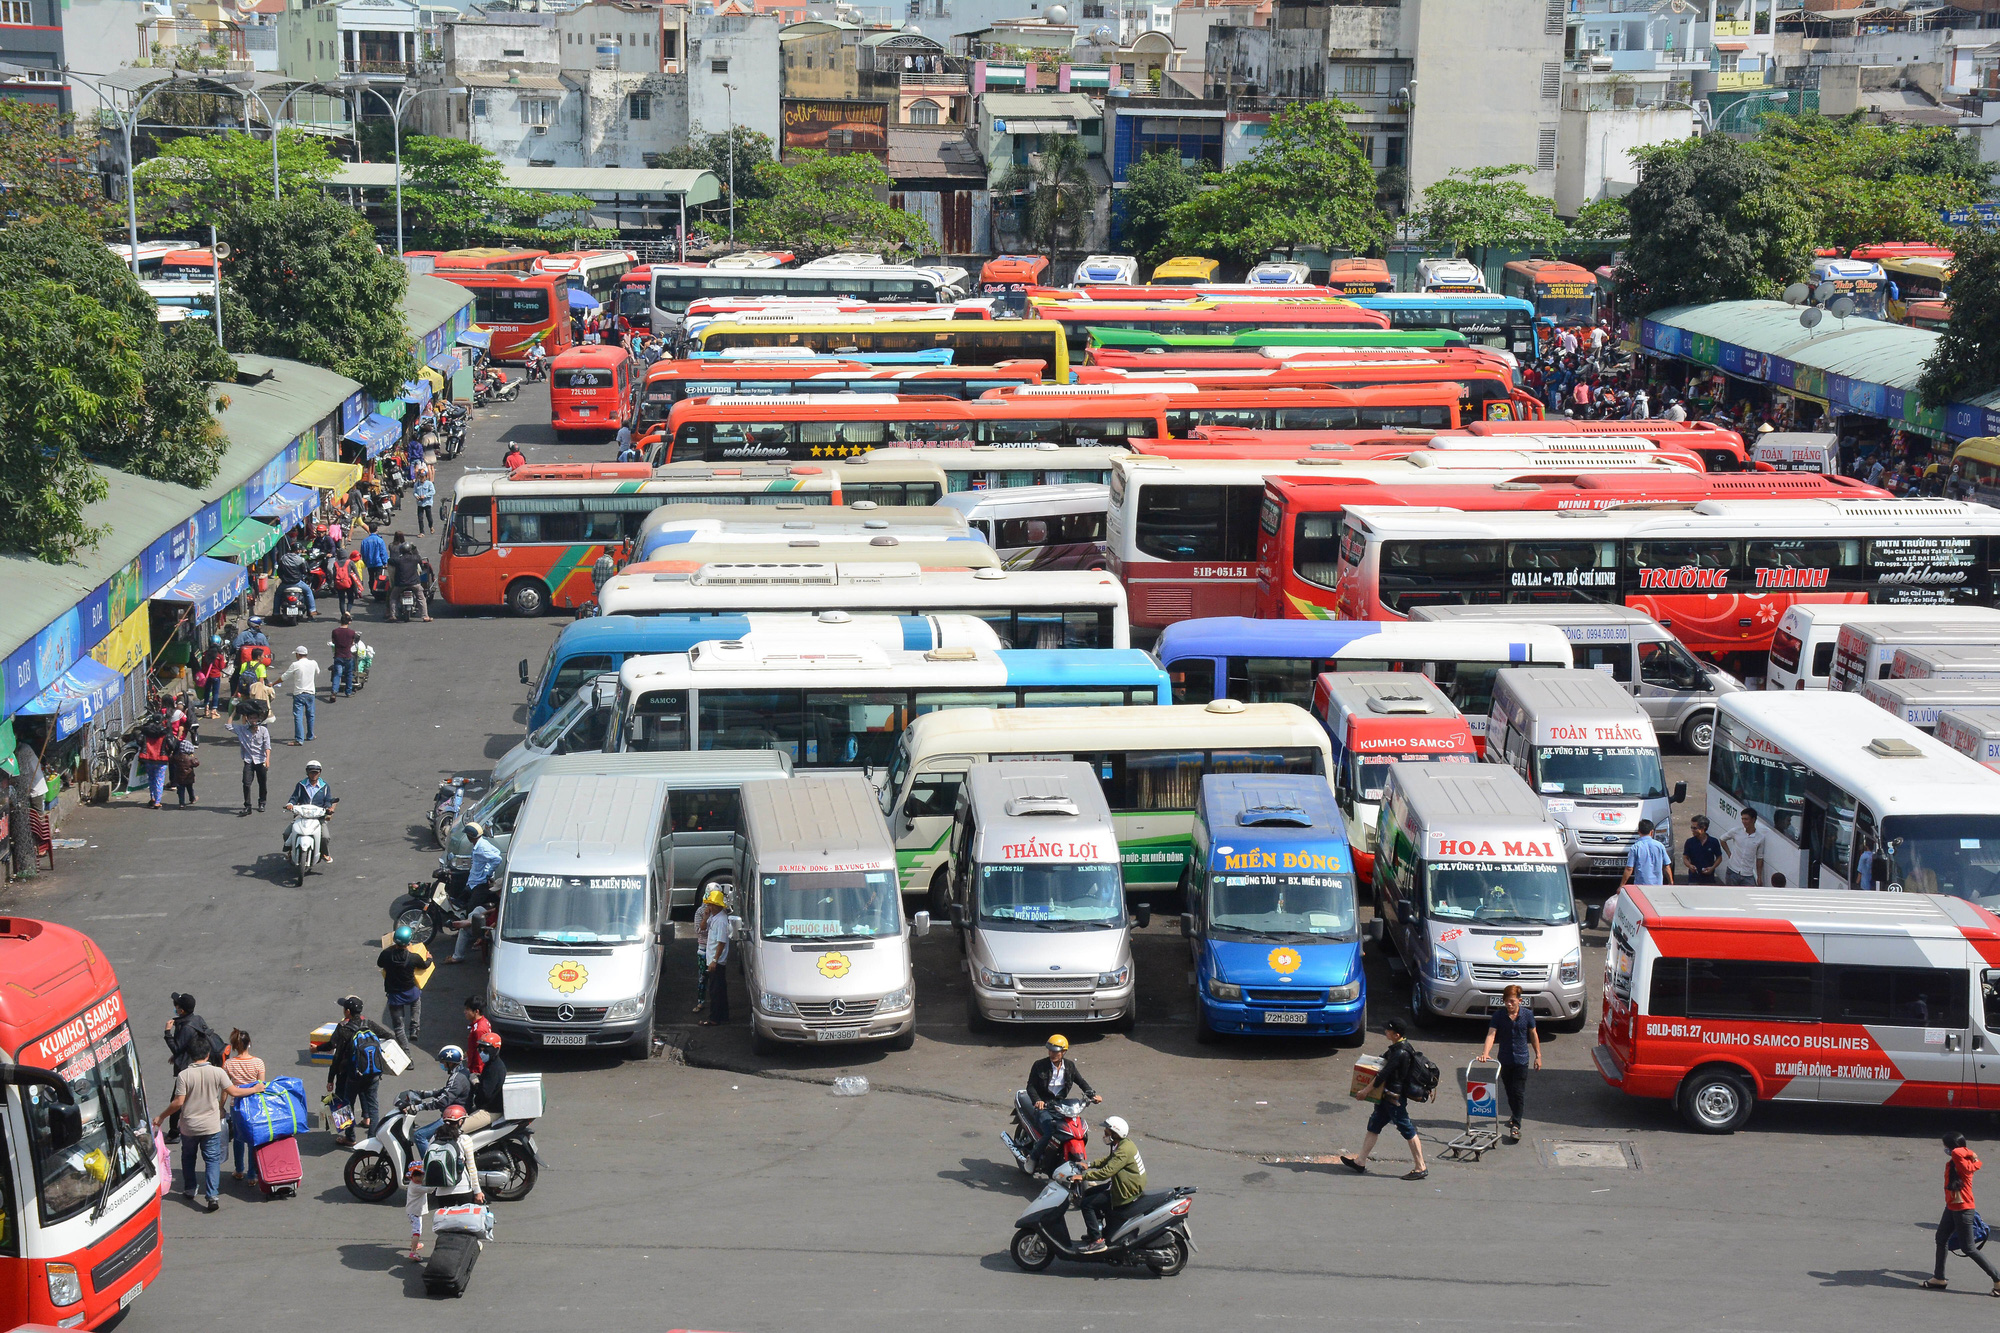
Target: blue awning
{"type": "Point", "coordinates": [376, 433]}
{"type": "Point", "coordinates": [579, 299]}
{"type": "Point", "coordinates": [209, 584]}
{"type": "Point", "coordinates": [417, 391]}
{"type": "Point", "coordinates": [78, 696]}
{"type": "Point", "coordinates": [288, 505]}
{"type": "Point", "coordinates": [479, 338]}
{"type": "Point", "coordinates": [444, 363]}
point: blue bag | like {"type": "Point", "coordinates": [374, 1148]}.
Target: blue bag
{"type": "Point", "coordinates": [1979, 1233]}
{"type": "Point", "coordinates": [277, 1112]}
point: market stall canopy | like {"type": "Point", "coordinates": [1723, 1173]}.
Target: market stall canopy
{"type": "Point", "coordinates": [78, 695]}
{"type": "Point", "coordinates": [289, 506]}
{"type": "Point", "coordinates": [376, 433]}
{"type": "Point", "coordinates": [417, 391]}
{"type": "Point", "coordinates": [479, 338]}
{"type": "Point", "coordinates": [579, 299]}
{"type": "Point", "coordinates": [249, 541]}
{"type": "Point", "coordinates": [209, 584]}
{"type": "Point", "coordinates": [445, 363]}
{"type": "Point", "coordinates": [326, 475]}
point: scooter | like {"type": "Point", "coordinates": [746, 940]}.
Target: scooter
{"type": "Point", "coordinates": [428, 909]}
{"type": "Point", "coordinates": [447, 806]}
{"type": "Point", "coordinates": [406, 602]}
{"type": "Point", "coordinates": [289, 604]}
{"type": "Point", "coordinates": [1038, 1154]}
{"type": "Point", "coordinates": [1150, 1232]}
{"type": "Point", "coordinates": [305, 838]}
{"type": "Point", "coordinates": [504, 1152]}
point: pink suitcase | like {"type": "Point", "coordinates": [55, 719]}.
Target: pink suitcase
{"type": "Point", "coordinates": [279, 1170]}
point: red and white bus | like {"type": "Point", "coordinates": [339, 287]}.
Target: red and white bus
{"type": "Point", "coordinates": [598, 272]}
{"type": "Point", "coordinates": [633, 301]}
{"type": "Point", "coordinates": [79, 1185]}
{"type": "Point", "coordinates": [1430, 406]}
{"type": "Point", "coordinates": [593, 388]}
{"type": "Point", "coordinates": [1719, 998]}
{"type": "Point", "coordinates": [1720, 448]}
{"type": "Point", "coordinates": [1314, 448]}
{"type": "Point", "coordinates": [1485, 383]}
{"type": "Point", "coordinates": [668, 382]}
{"type": "Point", "coordinates": [520, 310]}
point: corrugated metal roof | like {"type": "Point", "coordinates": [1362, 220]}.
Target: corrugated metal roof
{"type": "Point", "coordinates": [430, 302]}
{"type": "Point", "coordinates": [1866, 349]}
{"type": "Point", "coordinates": [1006, 106]}
{"type": "Point", "coordinates": [699, 186]}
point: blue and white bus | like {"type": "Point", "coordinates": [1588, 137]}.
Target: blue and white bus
{"type": "Point", "coordinates": [1504, 322]}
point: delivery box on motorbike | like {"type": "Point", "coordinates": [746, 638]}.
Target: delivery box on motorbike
{"type": "Point", "coordinates": [826, 953]}
{"type": "Point", "coordinates": [1038, 896]}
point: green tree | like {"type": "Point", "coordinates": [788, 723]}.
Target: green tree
{"type": "Point", "coordinates": [817, 203]}
{"type": "Point", "coordinates": [1154, 185]}
{"type": "Point", "coordinates": [1860, 183]}
{"type": "Point", "coordinates": [1966, 361]}
{"type": "Point", "coordinates": [1711, 221]}
{"type": "Point", "coordinates": [1476, 208]}
{"type": "Point", "coordinates": [1601, 219]}
{"type": "Point", "coordinates": [1309, 184]}
{"type": "Point", "coordinates": [213, 179]}
{"type": "Point", "coordinates": [306, 282]}
{"type": "Point", "coordinates": [45, 170]}
{"type": "Point", "coordinates": [710, 152]}
{"type": "Point", "coordinates": [1053, 194]}
{"type": "Point", "coordinates": [455, 195]}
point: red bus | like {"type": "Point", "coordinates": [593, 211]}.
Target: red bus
{"type": "Point", "coordinates": [1486, 385]}
{"type": "Point", "coordinates": [805, 429]}
{"type": "Point", "coordinates": [1077, 318]}
{"type": "Point", "coordinates": [1562, 293]}
{"type": "Point", "coordinates": [1720, 448]}
{"type": "Point", "coordinates": [1009, 279]}
{"type": "Point", "coordinates": [187, 266]}
{"type": "Point", "coordinates": [1299, 546]}
{"type": "Point", "coordinates": [1901, 250]}
{"type": "Point", "coordinates": [1251, 361]}
{"type": "Point", "coordinates": [1430, 406]}
{"type": "Point", "coordinates": [594, 389]}
{"type": "Point", "coordinates": [1150, 295]}
{"type": "Point", "coordinates": [1360, 277]}
{"type": "Point", "coordinates": [668, 382]}
{"type": "Point", "coordinates": [518, 309]}
{"type": "Point", "coordinates": [489, 259]}
{"type": "Point", "coordinates": [1326, 448]}
{"type": "Point", "coordinates": [80, 1227]}
{"type": "Point", "coordinates": [1932, 315]}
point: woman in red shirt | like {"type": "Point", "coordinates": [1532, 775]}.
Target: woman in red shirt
{"type": "Point", "coordinates": [1956, 1224]}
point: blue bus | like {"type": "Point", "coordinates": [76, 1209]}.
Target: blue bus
{"type": "Point", "coordinates": [1505, 322]}
{"type": "Point", "coordinates": [1271, 911]}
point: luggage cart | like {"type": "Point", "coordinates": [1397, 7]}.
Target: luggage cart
{"type": "Point", "coordinates": [1482, 1112]}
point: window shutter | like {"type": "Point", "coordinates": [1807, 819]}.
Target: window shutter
{"type": "Point", "coordinates": [1545, 149]}
{"type": "Point", "coordinates": [1551, 79]}
{"type": "Point", "coordinates": [1556, 18]}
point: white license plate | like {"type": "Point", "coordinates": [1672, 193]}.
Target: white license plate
{"type": "Point", "coordinates": [585, 411]}
{"type": "Point", "coordinates": [1280, 1016]}
{"type": "Point", "coordinates": [131, 1295]}
{"type": "Point", "coordinates": [1055, 1004]}
{"type": "Point", "coordinates": [835, 1034]}
{"type": "Point", "coordinates": [1605, 863]}
{"type": "Point", "coordinates": [564, 1038]}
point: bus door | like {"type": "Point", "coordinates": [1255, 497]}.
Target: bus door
{"type": "Point", "coordinates": [1915, 1022]}
{"type": "Point", "coordinates": [1985, 1054]}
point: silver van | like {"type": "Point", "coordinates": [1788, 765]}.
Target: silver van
{"type": "Point", "coordinates": [582, 922]}
{"type": "Point", "coordinates": [578, 727]}
{"type": "Point", "coordinates": [1918, 702]}
{"type": "Point", "coordinates": [1589, 751]}
{"type": "Point", "coordinates": [1472, 888]}
{"type": "Point", "coordinates": [826, 952]}
{"type": "Point", "coordinates": [1677, 689]}
{"type": "Point", "coordinates": [1038, 898]}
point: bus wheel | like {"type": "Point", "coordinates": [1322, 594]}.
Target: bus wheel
{"type": "Point", "coordinates": [527, 597]}
{"type": "Point", "coordinates": [1716, 1100]}
{"type": "Point", "coordinates": [1699, 733]}
{"type": "Point", "coordinates": [941, 894]}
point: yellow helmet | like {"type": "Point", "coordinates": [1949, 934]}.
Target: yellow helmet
{"type": "Point", "coordinates": [714, 898]}
{"type": "Point", "coordinates": [1059, 1042]}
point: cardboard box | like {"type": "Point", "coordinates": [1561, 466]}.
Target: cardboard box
{"type": "Point", "coordinates": [1365, 1069]}
{"type": "Point", "coordinates": [320, 1044]}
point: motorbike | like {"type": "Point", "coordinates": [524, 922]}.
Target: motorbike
{"type": "Point", "coordinates": [452, 444]}
{"type": "Point", "coordinates": [494, 386]}
{"type": "Point", "coordinates": [406, 602]}
{"type": "Point", "coordinates": [289, 604]}
{"type": "Point", "coordinates": [429, 908]}
{"type": "Point", "coordinates": [305, 838]}
{"type": "Point", "coordinates": [1039, 1154]}
{"type": "Point", "coordinates": [538, 369]}
{"type": "Point", "coordinates": [1150, 1232]}
{"type": "Point", "coordinates": [505, 1153]}
{"type": "Point", "coordinates": [447, 806]}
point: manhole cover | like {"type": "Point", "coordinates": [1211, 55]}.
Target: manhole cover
{"type": "Point", "coordinates": [1612, 1155]}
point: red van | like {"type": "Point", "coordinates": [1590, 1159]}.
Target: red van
{"type": "Point", "coordinates": [593, 389]}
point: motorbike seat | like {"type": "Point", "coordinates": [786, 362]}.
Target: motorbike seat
{"type": "Point", "coordinates": [1139, 1207]}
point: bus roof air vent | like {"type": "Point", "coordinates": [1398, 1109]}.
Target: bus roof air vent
{"type": "Point", "coordinates": [989, 573]}
{"type": "Point", "coordinates": [951, 655]}
{"type": "Point", "coordinates": [863, 504]}
{"type": "Point", "coordinates": [1041, 805]}
{"type": "Point", "coordinates": [883, 541]}
{"type": "Point", "coordinates": [1399, 705]}
{"type": "Point", "coordinates": [1891, 747]}
{"type": "Point", "coordinates": [1269, 816]}
{"type": "Point", "coordinates": [1225, 706]}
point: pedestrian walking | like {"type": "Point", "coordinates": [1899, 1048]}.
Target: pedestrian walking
{"type": "Point", "coordinates": [181, 1031]}
{"type": "Point", "coordinates": [341, 683]}
{"type": "Point", "coordinates": [201, 1101]}
{"type": "Point", "coordinates": [1511, 1027]}
{"type": "Point", "coordinates": [259, 691]}
{"type": "Point", "coordinates": [1394, 1082]}
{"type": "Point", "coordinates": [1956, 1225]}
{"type": "Point", "coordinates": [253, 742]}
{"type": "Point", "coordinates": [355, 1075]}
{"type": "Point", "coordinates": [248, 1076]}
{"type": "Point", "coordinates": [156, 751]}
{"type": "Point", "coordinates": [182, 767]}
{"type": "Point", "coordinates": [425, 494]}
{"type": "Point", "coordinates": [344, 582]}
{"type": "Point", "coordinates": [446, 1175]}
{"type": "Point", "coordinates": [1701, 853]}
{"type": "Point", "coordinates": [1743, 852]}
{"type": "Point", "coordinates": [1647, 861]}
{"type": "Point", "coordinates": [717, 941]}
{"type": "Point", "coordinates": [711, 902]}
{"type": "Point", "coordinates": [302, 680]}
{"type": "Point", "coordinates": [400, 965]}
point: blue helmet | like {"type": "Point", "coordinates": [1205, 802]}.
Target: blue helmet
{"type": "Point", "coordinates": [451, 1055]}
{"type": "Point", "coordinates": [404, 934]}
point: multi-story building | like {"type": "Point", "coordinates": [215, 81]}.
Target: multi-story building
{"type": "Point", "coordinates": [618, 35]}
{"type": "Point", "coordinates": [31, 36]}
{"type": "Point", "coordinates": [377, 40]}
{"type": "Point", "coordinates": [1720, 49]}
{"type": "Point", "coordinates": [912, 76]}
{"type": "Point", "coordinates": [1605, 116]}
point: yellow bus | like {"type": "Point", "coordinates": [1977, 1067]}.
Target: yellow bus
{"type": "Point", "coordinates": [1184, 271]}
{"type": "Point", "coordinates": [1917, 278]}
{"type": "Point", "coordinates": [971, 342]}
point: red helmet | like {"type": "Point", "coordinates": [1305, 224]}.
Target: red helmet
{"type": "Point", "coordinates": [454, 1112]}
{"type": "Point", "coordinates": [489, 1038]}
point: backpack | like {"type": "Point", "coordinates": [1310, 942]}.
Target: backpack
{"type": "Point", "coordinates": [343, 576]}
{"type": "Point", "coordinates": [366, 1050]}
{"type": "Point", "coordinates": [444, 1166]}
{"type": "Point", "coordinates": [1420, 1084]}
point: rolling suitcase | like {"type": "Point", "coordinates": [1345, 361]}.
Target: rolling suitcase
{"type": "Point", "coordinates": [450, 1266]}
{"type": "Point", "coordinates": [278, 1168]}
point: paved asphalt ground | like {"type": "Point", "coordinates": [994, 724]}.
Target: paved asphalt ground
{"type": "Point", "coordinates": [709, 1189]}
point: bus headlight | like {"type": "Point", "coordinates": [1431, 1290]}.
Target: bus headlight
{"type": "Point", "coordinates": [65, 1287]}
{"type": "Point", "coordinates": [996, 980]}
{"type": "Point", "coordinates": [1347, 994]}
{"type": "Point", "coordinates": [775, 1004]}
{"type": "Point", "coordinates": [1444, 966]}
{"type": "Point", "coordinates": [896, 999]}
{"type": "Point", "coordinates": [505, 1006]}
{"type": "Point", "coordinates": [619, 1011]}
{"type": "Point", "coordinates": [1222, 990]}
{"type": "Point", "coordinates": [1570, 971]}
{"type": "Point", "coordinates": [1118, 978]}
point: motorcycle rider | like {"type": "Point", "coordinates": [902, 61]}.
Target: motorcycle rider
{"type": "Point", "coordinates": [312, 789]}
{"type": "Point", "coordinates": [480, 893]}
{"type": "Point", "coordinates": [292, 573]}
{"type": "Point", "coordinates": [1051, 1077]}
{"type": "Point", "coordinates": [537, 362]}
{"type": "Point", "coordinates": [409, 573]}
{"type": "Point", "coordinates": [457, 1091]}
{"type": "Point", "coordinates": [487, 1087]}
{"type": "Point", "coordinates": [1112, 1181]}
{"type": "Point", "coordinates": [252, 636]}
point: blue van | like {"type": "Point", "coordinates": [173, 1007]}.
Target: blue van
{"type": "Point", "coordinates": [599, 645]}
{"type": "Point", "coordinates": [1272, 919]}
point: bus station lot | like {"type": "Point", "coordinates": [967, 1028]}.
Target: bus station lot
{"type": "Point", "coordinates": [710, 1188]}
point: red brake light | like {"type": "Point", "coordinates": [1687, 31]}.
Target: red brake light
{"type": "Point", "coordinates": [1181, 1209]}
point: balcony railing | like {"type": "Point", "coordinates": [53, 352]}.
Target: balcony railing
{"type": "Point", "coordinates": [400, 69]}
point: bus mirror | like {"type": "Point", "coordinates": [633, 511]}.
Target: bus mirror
{"type": "Point", "coordinates": [1373, 930]}
{"type": "Point", "coordinates": [1588, 918]}
{"type": "Point", "coordinates": [1680, 792]}
{"type": "Point", "coordinates": [922, 923]}
{"type": "Point", "coordinates": [524, 671]}
{"type": "Point", "coordinates": [1187, 925]}
{"type": "Point", "coordinates": [957, 911]}
{"type": "Point", "coordinates": [65, 1126]}
{"type": "Point", "coordinates": [1144, 913]}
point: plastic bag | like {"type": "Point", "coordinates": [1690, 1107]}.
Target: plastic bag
{"type": "Point", "coordinates": [165, 1159]}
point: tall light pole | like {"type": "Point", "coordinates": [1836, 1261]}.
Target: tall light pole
{"type": "Point", "coordinates": [276, 117]}
{"type": "Point", "coordinates": [404, 99]}
{"type": "Point", "coordinates": [729, 119]}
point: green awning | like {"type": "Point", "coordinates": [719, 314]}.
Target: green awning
{"type": "Point", "coordinates": [393, 409]}
{"type": "Point", "coordinates": [247, 541]}
{"type": "Point", "coordinates": [7, 764]}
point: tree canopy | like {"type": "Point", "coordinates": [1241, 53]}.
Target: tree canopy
{"type": "Point", "coordinates": [817, 203]}
{"type": "Point", "coordinates": [1476, 208]}
{"type": "Point", "coordinates": [455, 195]}
{"type": "Point", "coordinates": [1308, 185]}
{"type": "Point", "coordinates": [1859, 183]}
{"type": "Point", "coordinates": [201, 180]}
{"type": "Point", "coordinates": [1154, 186]}
{"type": "Point", "coordinates": [1966, 361]}
{"type": "Point", "coordinates": [1055, 193]}
{"type": "Point", "coordinates": [1600, 220]}
{"type": "Point", "coordinates": [710, 152]}
{"type": "Point", "coordinates": [45, 171]}
{"type": "Point", "coordinates": [1711, 221]}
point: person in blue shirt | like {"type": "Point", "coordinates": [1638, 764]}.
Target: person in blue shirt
{"type": "Point", "coordinates": [251, 635]}
{"type": "Point", "coordinates": [480, 890]}
{"type": "Point", "coordinates": [1512, 1028]}
{"type": "Point", "coordinates": [312, 789]}
{"type": "Point", "coordinates": [425, 494]}
{"type": "Point", "coordinates": [1647, 862]}
{"type": "Point", "coordinates": [374, 554]}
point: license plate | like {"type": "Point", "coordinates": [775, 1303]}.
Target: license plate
{"type": "Point", "coordinates": [585, 411]}
{"type": "Point", "coordinates": [1605, 863]}
{"type": "Point", "coordinates": [1280, 1016]}
{"type": "Point", "coordinates": [835, 1034]}
{"type": "Point", "coordinates": [565, 1038]}
{"type": "Point", "coordinates": [131, 1295]}
{"type": "Point", "coordinates": [1055, 1004]}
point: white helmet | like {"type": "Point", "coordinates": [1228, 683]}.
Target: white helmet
{"type": "Point", "coordinates": [1115, 1124]}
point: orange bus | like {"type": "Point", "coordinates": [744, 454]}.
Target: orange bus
{"type": "Point", "coordinates": [1361, 277]}
{"type": "Point", "coordinates": [593, 388]}
{"type": "Point", "coordinates": [491, 259]}
{"type": "Point", "coordinates": [187, 266]}
{"type": "Point", "coordinates": [1563, 293]}
{"type": "Point", "coordinates": [519, 309]}
{"type": "Point", "coordinates": [1077, 318]}
{"type": "Point", "coordinates": [668, 382]}
{"type": "Point", "coordinates": [1007, 278]}
{"type": "Point", "coordinates": [1486, 384]}
{"type": "Point", "coordinates": [1431, 406]}
{"type": "Point", "coordinates": [80, 1228]}
{"type": "Point", "coordinates": [803, 429]}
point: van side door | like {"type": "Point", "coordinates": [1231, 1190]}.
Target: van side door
{"type": "Point", "coordinates": [701, 831]}
{"type": "Point", "coordinates": [1671, 684]}
{"type": "Point", "coordinates": [1986, 1035]}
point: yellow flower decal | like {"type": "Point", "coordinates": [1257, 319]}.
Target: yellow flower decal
{"type": "Point", "coordinates": [1510, 950]}
{"type": "Point", "coordinates": [568, 977]}
{"type": "Point", "coordinates": [834, 965]}
{"type": "Point", "coordinates": [1286, 961]}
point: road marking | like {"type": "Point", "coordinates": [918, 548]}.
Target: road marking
{"type": "Point", "coordinates": [125, 916]}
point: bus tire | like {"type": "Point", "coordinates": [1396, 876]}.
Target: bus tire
{"type": "Point", "coordinates": [1699, 733]}
{"type": "Point", "coordinates": [941, 895]}
{"type": "Point", "coordinates": [1715, 1099]}
{"type": "Point", "coordinates": [1421, 1012]}
{"type": "Point", "coordinates": [528, 597]}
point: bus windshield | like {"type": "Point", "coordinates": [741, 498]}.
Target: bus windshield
{"type": "Point", "coordinates": [103, 1077]}
{"type": "Point", "coordinates": [1277, 906]}
{"type": "Point", "coordinates": [1051, 897]}
{"type": "Point", "coordinates": [1612, 772]}
{"type": "Point", "coordinates": [830, 905]}
{"type": "Point", "coordinates": [574, 909]}
{"type": "Point", "coordinates": [1517, 893]}
{"type": "Point", "coordinates": [1957, 855]}
{"type": "Point", "coordinates": [510, 305]}
{"type": "Point", "coordinates": [1563, 309]}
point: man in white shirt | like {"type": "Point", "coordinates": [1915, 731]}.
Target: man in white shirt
{"type": "Point", "coordinates": [302, 679]}
{"type": "Point", "coordinates": [1743, 852]}
{"type": "Point", "coordinates": [717, 947]}
{"type": "Point", "coordinates": [1675, 412]}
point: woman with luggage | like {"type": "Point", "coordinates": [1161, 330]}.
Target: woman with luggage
{"type": "Point", "coordinates": [434, 1183]}
{"type": "Point", "coordinates": [246, 1072]}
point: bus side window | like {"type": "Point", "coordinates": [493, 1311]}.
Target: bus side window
{"type": "Point", "coordinates": [1193, 680]}
{"type": "Point", "coordinates": [472, 532]}
{"type": "Point", "coordinates": [1599, 656]}
{"type": "Point", "coordinates": [933, 794]}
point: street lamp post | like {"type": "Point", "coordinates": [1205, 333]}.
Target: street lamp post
{"type": "Point", "coordinates": [404, 100]}
{"type": "Point", "coordinates": [729, 119]}
{"type": "Point", "coordinates": [276, 117]}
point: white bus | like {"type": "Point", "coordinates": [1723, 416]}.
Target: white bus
{"type": "Point", "coordinates": [675, 286]}
{"type": "Point", "coordinates": [1802, 647]}
{"type": "Point", "coordinates": [597, 272]}
{"type": "Point", "coordinates": [1852, 797]}
{"type": "Point", "coordinates": [1035, 608]}
{"type": "Point", "coordinates": [1150, 762]}
{"type": "Point", "coordinates": [841, 701]}
{"type": "Point", "coordinates": [1450, 275]}
{"type": "Point", "coordinates": [988, 467]}
{"type": "Point", "coordinates": [1038, 527]}
{"type": "Point", "coordinates": [673, 525]}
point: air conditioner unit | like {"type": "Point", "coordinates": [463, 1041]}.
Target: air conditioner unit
{"type": "Point", "coordinates": [541, 129]}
